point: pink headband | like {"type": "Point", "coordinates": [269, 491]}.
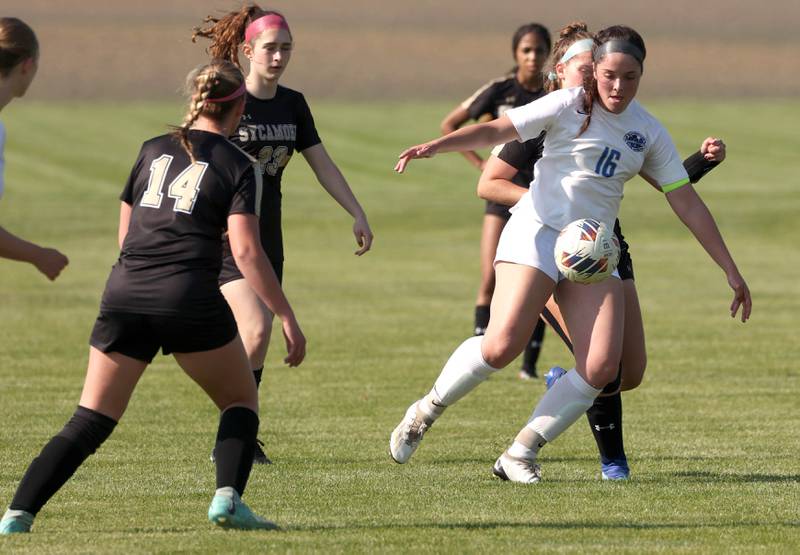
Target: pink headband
{"type": "Point", "coordinates": [269, 21]}
{"type": "Point", "coordinates": [235, 94]}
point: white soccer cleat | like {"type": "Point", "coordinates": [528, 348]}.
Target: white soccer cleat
{"type": "Point", "coordinates": [407, 435]}
{"type": "Point", "coordinates": [513, 469]}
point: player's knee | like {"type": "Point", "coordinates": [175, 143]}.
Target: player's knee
{"type": "Point", "coordinates": [256, 335]}
{"type": "Point", "coordinates": [498, 352]}
{"type": "Point", "coordinates": [600, 373]}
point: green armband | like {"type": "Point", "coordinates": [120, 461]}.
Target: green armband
{"type": "Point", "coordinates": [673, 186]}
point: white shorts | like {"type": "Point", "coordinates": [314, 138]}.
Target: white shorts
{"type": "Point", "coordinates": [529, 242]}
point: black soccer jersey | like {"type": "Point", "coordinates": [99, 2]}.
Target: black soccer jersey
{"type": "Point", "coordinates": [172, 253]}
{"type": "Point", "coordinates": [495, 98]}
{"type": "Point", "coordinates": [271, 131]}
{"type": "Point", "coordinates": [522, 156]}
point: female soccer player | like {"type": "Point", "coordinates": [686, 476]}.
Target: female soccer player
{"type": "Point", "coordinates": [276, 122]}
{"type": "Point", "coordinates": [597, 137]}
{"type": "Point", "coordinates": [185, 190]}
{"type": "Point", "coordinates": [530, 46]}
{"type": "Point", "coordinates": [570, 62]}
{"type": "Point", "coordinates": [19, 60]}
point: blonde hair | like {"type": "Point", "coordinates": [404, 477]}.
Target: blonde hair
{"type": "Point", "coordinates": [216, 79]}
{"type": "Point", "coordinates": [569, 35]}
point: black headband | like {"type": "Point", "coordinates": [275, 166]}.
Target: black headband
{"type": "Point", "coordinates": [621, 46]}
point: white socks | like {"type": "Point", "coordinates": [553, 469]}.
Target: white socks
{"type": "Point", "coordinates": [560, 407]}
{"type": "Point", "coordinates": [463, 372]}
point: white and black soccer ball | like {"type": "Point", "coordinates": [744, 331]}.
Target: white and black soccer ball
{"type": "Point", "coordinates": [587, 251]}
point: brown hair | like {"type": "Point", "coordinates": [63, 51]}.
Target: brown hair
{"type": "Point", "coordinates": [216, 79]}
{"type": "Point", "coordinates": [570, 34]}
{"type": "Point", "coordinates": [17, 43]}
{"type": "Point", "coordinates": [615, 32]}
{"type": "Point", "coordinates": [227, 33]}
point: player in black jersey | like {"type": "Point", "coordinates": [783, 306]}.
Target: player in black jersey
{"type": "Point", "coordinates": [570, 61]}
{"type": "Point", "coordinates": [530, 46]}
{"type": "Point", "coordinates": [185, 191]}
{"type": "Point", "coordinates": [19, 60]}
{"type": "Point", "coordinates": [276, 123]}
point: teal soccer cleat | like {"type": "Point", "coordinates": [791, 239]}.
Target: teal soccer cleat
{"type": "Point", "coordinates": [16, 522]}
{"type": "Point", "coordinates": [227, 510]}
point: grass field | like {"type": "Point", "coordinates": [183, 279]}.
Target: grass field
{"type": "Point", "coordinates": [711, 435]}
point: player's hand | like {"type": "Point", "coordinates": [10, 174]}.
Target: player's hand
{"type": "Point", "coordinates": [713, 149]}
{"type": "Point", "coordinates": [741, 296]}
{"type": "Point", "coordinates": [426, 150]}
{"type": "Point", "coordinates": [363, 235]}
{"type": "Point", "coordinates": [295, 341]}
{"type": "Point", "coordinates": [50, 262]}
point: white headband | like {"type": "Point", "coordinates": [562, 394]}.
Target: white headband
{"type": "Point", "coordinates": [584, 45]}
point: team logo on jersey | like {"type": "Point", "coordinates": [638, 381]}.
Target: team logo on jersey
{"type": "Point", "coordinates": [635, 141]}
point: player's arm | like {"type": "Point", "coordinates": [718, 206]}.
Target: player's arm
{"type": "Point", "coordinates": [455, 119]}
{"type": "Point", "coordinates": [692, 211]}
{"type": "Point", "coordinates": [125, 210]}
{"type": "Point", "coordinates": [495, 183]}
{"type": "Point", "coordinates": [252, 261]}
{"type": "Point", "coordinates": [48, 261]}
{"type": "Point", "coordinates": [333, 181]}
{"type": "Point", "coordinates": [711, 154]}
{"type": "Point", "coordinates": [481, 135]}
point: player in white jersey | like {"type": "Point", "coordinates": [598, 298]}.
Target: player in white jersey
{"type": "Point", "coordinates": [597, 138]}
{"type": "Point", "coordinates": [19, 60]}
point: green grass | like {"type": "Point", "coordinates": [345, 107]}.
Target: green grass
{"type": "Point", "coordinates": [712, 433]}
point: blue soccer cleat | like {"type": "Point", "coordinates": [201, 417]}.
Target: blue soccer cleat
{"type": "Point", "coordinates": [615, 469]}
{"type": "Point", "coordinates": [16, 522]}
{"type": "Point", "coordinates": [553, 375]}
{"type": "Point", "coordinates": [227, 510]}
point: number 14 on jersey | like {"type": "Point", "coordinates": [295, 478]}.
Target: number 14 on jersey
{"type": "Point", "coordinates": [183, 188]}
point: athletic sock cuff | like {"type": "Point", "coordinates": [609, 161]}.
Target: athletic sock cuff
{"type": "Point", "coordinates": [581, 385]}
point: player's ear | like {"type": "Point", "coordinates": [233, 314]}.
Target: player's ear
{"type": "Point", "coordinates": [247, 50]}
{"type": "Point", "coordinates": [560, 70]}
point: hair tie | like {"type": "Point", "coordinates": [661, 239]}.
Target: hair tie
{"type": "Point", "coordinates": [235, 94]}
{"type": "Point", "coordinates": [269, 21]}
{"type": "Point", "coordinates": [577, 47]}
{"type": "Point", "coordinates": [552, 76]}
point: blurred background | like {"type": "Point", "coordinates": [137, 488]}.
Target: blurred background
{"type": "Point", "coordinates": [417, 49]}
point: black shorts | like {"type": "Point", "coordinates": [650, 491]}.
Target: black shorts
{"type": "Point", "coordinates": [496, 209]}
{"type": "Point", "coordinates": [140, 336]}
{"type": "Point", "coordinates": [230, 272]}
{"type": "Point", "coordinates": [625, 266]}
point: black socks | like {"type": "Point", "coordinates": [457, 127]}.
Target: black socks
{"type": "Point", "coordinates": [481, 319]}
{"type": "Point", "coordinates": [533, 348]}
{"type": "Point", "coordinates": [61, 457]}
{"type": "Point", "coordinates": [236, 444]}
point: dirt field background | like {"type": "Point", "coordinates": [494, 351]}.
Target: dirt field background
{"type": "Point", "coordinates": [377, 50]}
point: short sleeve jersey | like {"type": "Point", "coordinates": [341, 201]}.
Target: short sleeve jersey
{"type": "Point", "coordinates": [2, 158]}
{"type": "Point", "coordinates": [172, 253]}
{"type": "Point", "coordinates": [583, 177]}
{"type": "Point", "coordinates": [497, 97]}
{"type": "Point", "coordinates": [522, 156]}
{"type": "Point", "coordinates": [271, 131]}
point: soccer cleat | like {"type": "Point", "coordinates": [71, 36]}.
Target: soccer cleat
{"type": "Point", "coordinates": [553, 375]}
{"type": "Point", "coordinates": [259, 456]}
{"type": "Point", "coordinates": [407, 435]}
{"type": "Point", "coordinates": [528, 374]}
{"type": "Point", "coordinates": [513, 469]}
{"type": "Point", "coordinates": [16, 522]}
{"type": "Point", "coordinates": [615, 469]}
{"type": "Point", "coordinates": [227, 510]}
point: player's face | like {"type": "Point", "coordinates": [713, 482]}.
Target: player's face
{"type": "Point", "coordinates": [575, 70]}
{"type": "Point", "coordinates": [618, 78]}
{"type": "Point", "coordinates": [270, 53]}
{"type": "Point", "coordinates": [531, 54]}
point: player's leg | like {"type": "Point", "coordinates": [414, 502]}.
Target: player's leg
{"type": "Point", "coordinates": [594, 314]}
{"type": "Point", "coordinates": [530, 356]}
{"type": "Point", "coordinates": [254, 321]}
{"type": "Point", "coordinates": [517, 301]}
{"type": "Point", "coordinates": [493, 225]}
{"type": "Point", "coordinates": [109, 384]}
{"type": "Point", "coordinates": [224, 374]}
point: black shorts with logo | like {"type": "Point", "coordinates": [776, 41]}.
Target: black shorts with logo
{"type": "Point", "coordinates": [625, 266]}
{"type": "Point", "coordinates": [140, 336]}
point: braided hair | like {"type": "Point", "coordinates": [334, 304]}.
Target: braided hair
{"type": "Point", "coordinates": [227, 33]}
{"type": "Point", "coordinates": [591, 94]}
{"type": "Point", "coordinates": [217, 79]}
{"type": "Point", "coordinates": [569, 35]}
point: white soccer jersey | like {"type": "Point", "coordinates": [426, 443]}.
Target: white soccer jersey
{"type": "Point", "coordinates": [583, 177]}
{"type": "Point", "coordinates": [2, 156]}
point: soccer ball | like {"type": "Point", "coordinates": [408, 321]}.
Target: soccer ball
{"type": "Point", "coordinates": [587, 251]}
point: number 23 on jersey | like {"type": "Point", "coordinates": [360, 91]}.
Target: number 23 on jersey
{"type": "Point", "coordinates": [183, 189]}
